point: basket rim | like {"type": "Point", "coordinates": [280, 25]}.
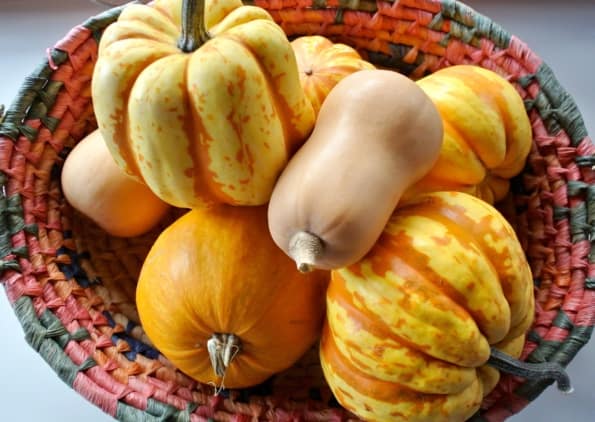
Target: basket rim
{"type": "Point", "coordinates": [554, 104]}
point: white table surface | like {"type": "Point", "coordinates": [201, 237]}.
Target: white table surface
{"type": "Point", "coordinates": [560, 32]}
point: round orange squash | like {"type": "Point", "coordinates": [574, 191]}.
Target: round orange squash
{"type": "Point", "coordinates": [410, 325]}
{"type": "Point", "coordinates": [223, 303]}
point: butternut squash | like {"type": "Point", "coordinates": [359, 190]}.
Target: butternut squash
{"type": "Point", "coordinates": [94, 185]}
{"type": "Point", "coordinates": [376, 134]}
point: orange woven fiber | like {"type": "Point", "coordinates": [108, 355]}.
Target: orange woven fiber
{"type": "Point", "coordinates": [72, 286]}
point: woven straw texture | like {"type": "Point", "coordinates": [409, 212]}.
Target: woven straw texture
{"type": "Point", "coordinates": [72, 286]}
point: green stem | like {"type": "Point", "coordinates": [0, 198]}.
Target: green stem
{"type": "Point", "coordinates": [194, 33]}
{"type": "Point", "coordinates": [532, 371]}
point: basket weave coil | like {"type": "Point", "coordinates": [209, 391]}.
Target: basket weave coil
{"type": "Point", "coordinates": [72, 286]}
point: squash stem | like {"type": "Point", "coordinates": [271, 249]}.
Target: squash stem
{"type": "Point", "coordinates": [305, 249]}
{"type": "Point", "coordinates": [193, 32]}
{"type": "Point", "coordinates": [222, 348]}
{"type": "Point", "coordinates": [531, 371]}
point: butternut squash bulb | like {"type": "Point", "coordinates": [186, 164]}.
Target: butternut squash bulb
{"type": "Point", "coordinates": [94, 185]}
{"type": "Point", "coordinates": [487, 133]}
{"type": "Point", "coordinates": [223, 303]}
{"type": "Point", "coordinates": [410, 326]}
{"type": "Point", "coordinates": [322, 63]}
{"type": "Point", "coordinates": [206, 107]}
{"type": "Point", "coordinates": [377, 133]}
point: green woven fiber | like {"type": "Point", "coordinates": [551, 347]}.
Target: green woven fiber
{"type": "Point", "coordinates": [578, 222]}
{"type": "Point", "coordinates": [562, 320]}
{"type": "Point", "coordinates": [58, 332]}
{"type": "Point", "coordinates": [5, 242]}
{"type": "Point", "coordinates": [38, 94]}
{"type": "Point", "coordinates": [42, 339]}
{"type": "Point", "coordinates": [127, 413]}
{"type": "Point", "coordinates": [156, 411]}
{"type": "Point", "coordinates": [469, 25]}
{"type": "Point", "coordinates": [586, 221]}
{"type": "Point", "coordinates": [11, 222]}
{"type": "Point", "coordinates": [96, 24]}
{"type": "Point", "coordinates": [362, 5]}
{"type": "Point", "coordinates": [27, 96]}
{"type": "Point", "coordinates": [560, 108]}
{"type": "Point", "coordinates": [585, 161]}
{"type": "Point", "coordinates": [14, 211]}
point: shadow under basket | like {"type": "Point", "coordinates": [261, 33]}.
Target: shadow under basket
{"type": "Point", "coordinates": [73, 287]}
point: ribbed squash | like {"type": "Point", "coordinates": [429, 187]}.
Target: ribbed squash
{"type": "Point", "coordinates": [322, 64]}
{"type": "Point", "coordinates": [487, 133]}
{"type": "Point", "coordinates": [223, 303]}
{"type": "Point", "coordinates": [203, 110]}
{"type": "Point", "coordinates": [410, 326]}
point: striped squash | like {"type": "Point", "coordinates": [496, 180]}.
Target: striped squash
{"type": "Point", "coordinates": [322, 64]}
{"type": "Point", "coordinates": [214, 121]}
{"type": "Point", "coordinates": [487, 132]}
{"type": "Point", "coordinates": [410, 326]}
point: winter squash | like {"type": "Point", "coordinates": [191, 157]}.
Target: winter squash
{"type": "Point", "coordinates": [322, 63]}
{"type": "Point", "coordinates": [95, 186]}
{"type": "Point", "coordinates": [223, 303]}
{"type": "Point", "coordinates": [209, 113]}
{"type": "Point", "coordinates": [487, 133]}
{"type": "Point", "coordinates": [376, 134]}
{"type": "Point", "coordinates": [410, 325]}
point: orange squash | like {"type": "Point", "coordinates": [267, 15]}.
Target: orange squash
{"type": "Point", "coordinates": [410, 325]}
{"type": "Point", "coordinates": [487, 133]}
{"type": "Point", "coordinates": [95, 186]}
{"type": "Point", "coordinates": [223, 303]}
{"type": "Point", "coordinates": [322, 64]}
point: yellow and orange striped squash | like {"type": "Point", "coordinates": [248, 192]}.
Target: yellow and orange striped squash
{"type": "Point", "coordinates": [211, 123]}
{"type": "Point", "coordinates": [410, 326]}
{"type": "Point", "coordinates": [322, 64]}
{"type": "Point", "coordinates": [487, 132]}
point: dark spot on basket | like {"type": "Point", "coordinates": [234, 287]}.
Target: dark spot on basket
{"type": "Point", "coordinates": [263, 389]}
{"type": "Point", "coordinates": [74, 269]}
{"type": "Point", "coordinates": [516, 185]}
{"type": "Point", "coordinates": [314, 394]}
{"type": "Point", "coordinates": [55, 172]}
{"type": "Point", "coordinates": [136, 346]}
{"type": "Point", "coordinates": [334, 403]}
{"type": "Point", "coordinates": [395, 58]}
{"type": "Point", "coordinates": [476, 417]}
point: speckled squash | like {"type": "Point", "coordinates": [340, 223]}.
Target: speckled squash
{"type": "Point", "coordinates": [322, 64]}
{"type": "Point", "coordinates": [205, 117]}
{"type": "Point", "coordinates": [410, 326]}
{"type": "Point", "coordinates": [487, 132]}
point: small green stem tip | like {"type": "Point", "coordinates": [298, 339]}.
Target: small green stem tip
{"type": "Point", "coordinates": [193, 31]}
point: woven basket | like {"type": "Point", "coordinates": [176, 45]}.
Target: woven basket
{"type": "Point", "coordinates": [72, 286]}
